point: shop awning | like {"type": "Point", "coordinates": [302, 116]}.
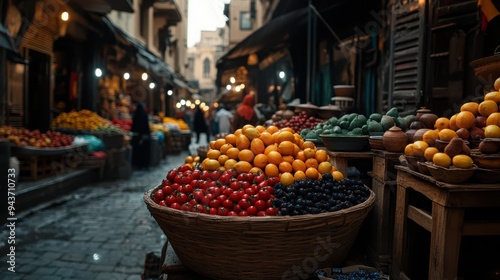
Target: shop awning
{"type": "Point", "coordinates": [144, 57]}
{"type": "Point", "coordinates": [271, 37]}
{"type": "Point", "coordinates": [105, 6]}
{"type": "Point", "coordinates": [6, 41]}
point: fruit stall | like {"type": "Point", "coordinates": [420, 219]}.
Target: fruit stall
{"type": "Point", "coordinates": [113, 157]}
{"type": "Point", "coordinates": [289, 182]}
{"type": "Point", "coordinates": [42, 154]}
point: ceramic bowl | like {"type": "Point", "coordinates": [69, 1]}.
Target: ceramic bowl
{"type": "Point", "coordinates": [413, 161]}
{"type": "Point", "coordinates": [486, 161]}
{"type": "Point", "coordinates": [326, 112]}
{"type": "Point", "coordinates": [486, 176]}
{"type": "Point", "coordinates": [452, 175]}
{"type": "Point", "coordinates": [345, 143]}
{"type": "Point", "coordinates": [376, 142]}
{"type": "Point", "coordinates": [422, 167]}
{"type": "Point", "coordinates": [344, 90]}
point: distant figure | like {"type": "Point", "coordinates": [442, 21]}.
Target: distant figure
{"type": "Point", "coordinates": [245, 113]}
{"type": "Point", "coordinates": [140, 138]}
{"type": "Point", "coordinates": [200, 124]}
{"type": "Point", "coordinates": [223, 118]}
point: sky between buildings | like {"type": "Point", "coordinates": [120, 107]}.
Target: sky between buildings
{"type": "Point", "coordinates": [204, 15]}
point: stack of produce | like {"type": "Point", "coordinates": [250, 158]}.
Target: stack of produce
{"type": "Point", "coordinates": [446, 144]}
{"type": "Point", "coordinates": [227, 193]}
{"type": "Point", "coordinates": [124, 125]}
{"type": "Point", "coordinates": [299, 122]}
{"type": "Point", "coordinates": [357, 124]}
{"type": "Point", "coordinates": [270, 151]}
{"type": "Point", "coordinates": [34, 138]}
{"type": "Point", "coordinates": [180, 123]}
{"type": "Point", "coordinates": [158, 127]}
{"type": "Point", "coordinates": [82, 120]}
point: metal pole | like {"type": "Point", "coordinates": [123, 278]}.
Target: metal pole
{"type": "Point", "coordinates": [309, 27]}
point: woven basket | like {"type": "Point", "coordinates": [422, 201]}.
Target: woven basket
{"type": "Point", "coordinates": [259, 247]}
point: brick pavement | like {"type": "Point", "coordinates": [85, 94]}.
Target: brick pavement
{"type": "Point", "coordinates": [100, 231]}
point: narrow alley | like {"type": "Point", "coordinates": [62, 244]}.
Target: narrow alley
{"type": "Point", "coordinates": [100, 231]}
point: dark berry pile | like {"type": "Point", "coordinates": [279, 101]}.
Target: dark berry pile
{"type": "Point", "coordinates": [360, 275]}
{"type": "Point", "coordinates": [355, 275]}
{"type": "Point", "coordinates": [318, 196]}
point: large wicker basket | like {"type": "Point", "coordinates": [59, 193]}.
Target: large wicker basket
{"type": "Point", "coordinates": [260, 247]}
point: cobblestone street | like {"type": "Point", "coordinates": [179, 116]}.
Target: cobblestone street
{"type": "Point", "coordinates": [100, 231]}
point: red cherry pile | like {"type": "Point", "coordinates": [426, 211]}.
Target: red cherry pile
{"type": "Point", "coordinates": [224, 193]}
{"type": "Point", "coordinates": [299, 122]}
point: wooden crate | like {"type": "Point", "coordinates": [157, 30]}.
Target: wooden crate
{"type": "Point", "coordinates": [92, 162]}
{"type": "Point", "coordinates": [381, 224]}
{"type": "Point", "coordinates": [384, 163]}
{"type": "Point", "coordinates": [174, 143]}
{"type": "Point", "coordinates": [34, 167]}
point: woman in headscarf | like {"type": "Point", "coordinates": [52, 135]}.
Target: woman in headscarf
{"type": "Point", "coordinates": [140, 138]}
{"type": "Point", "coordinates": [245, 113]}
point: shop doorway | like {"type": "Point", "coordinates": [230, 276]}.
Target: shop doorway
{"type": "Point", "coordinates": [38, 105]}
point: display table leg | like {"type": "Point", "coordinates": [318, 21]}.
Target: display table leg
{"type": "Point", "coordinates": [400, 231]}
{"type": "Point", "coordinates": [341, 165]}
{"type": "Point", "coordinates": [446, 236]}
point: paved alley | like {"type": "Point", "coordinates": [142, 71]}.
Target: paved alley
{"type": "Point", "coordinates": [100, 231]}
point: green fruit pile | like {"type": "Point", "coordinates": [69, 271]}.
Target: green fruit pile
{"type": "Point", "coordinates": [357, 124]}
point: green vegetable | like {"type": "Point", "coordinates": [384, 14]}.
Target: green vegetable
{"type": "Point", "coordinates": [374, 126]}
{"type": "Point", "coordinates": [337, 130]}
{"type": "Point", "coordinates": [344, 124]}
{"type": "Point", "coordinates": [387, 122]}
{"type": "Point", "coordinates": [393, 112]}
{"type": "Point", "coordinates": [375, 117]}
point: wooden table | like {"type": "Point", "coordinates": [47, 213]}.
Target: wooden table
{"type": "Point", "coordinates": [445, 222]}
{"type": "Point", "coordinates": [340, 159]}
{"type": "Point", "coordinates": [381, 219]}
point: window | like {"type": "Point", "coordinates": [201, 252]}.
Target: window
{"type": "Point", "coordinates": [206, 68]}
{"type": "Point", "coordinates": [245, 21]}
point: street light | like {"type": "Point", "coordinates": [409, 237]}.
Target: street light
{"type": "Point", "coordinates": [178, 105]}
{"type": "Point", "coordinates": [126, 76]}
{"type": "Point", "coordinates": [228, 87]}
{"type": "Point", "coordinates": [170, 92]}
{"type": "Point", "coordinates": [64, 16]}
{"type": "Point", "coordinates": [282, 75]}
{"type": "Point", "coordinates": [183, 102]}
{"type": "Point", "coordinates": [232, 80]}
{"type": "Point", "coordinates": [151, 85]}
{"type": "Point", "coordinates": [197, 102]}
{"type": "Point", "coordinates": [144, 76]}
{"type": "Point", "coordinates": [188, 103]}
{"type": "Point", "coordinates": [98, 72]}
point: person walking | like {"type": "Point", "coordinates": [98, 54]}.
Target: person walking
{"type": "Point", "coordinates": [223, 117]}
{"type": "Point", "coordinates": [200, 124]}
{"type": "Point", "coordinates": [245, 113]}
{"type": "Point", "coordinates": [140, 138]}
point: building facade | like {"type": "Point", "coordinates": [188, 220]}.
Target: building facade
{"type": "Point", "coordinates": [202, 59]}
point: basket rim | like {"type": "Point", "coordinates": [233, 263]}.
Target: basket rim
{"type": "Point", "coordinates": [367, 204]}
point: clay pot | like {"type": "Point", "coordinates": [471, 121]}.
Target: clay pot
{"type": "Point", "coordinates": [428, 120]}
{"type": "Point", "coordinates": [309, 108]}
{"type": "Point", "coordinates": [410, 133]}
{"type": "Point", "coordinates": [288, 114]}
{"type": "Point", "coordinates": [420, 112]}
{"type": "Point", "coordinates": [395, 140]}
{"type": "Point", "coordinates": [419, 134]}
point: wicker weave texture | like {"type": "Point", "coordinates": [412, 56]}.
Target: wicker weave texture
{"type": "Point", "coordinates": [260, 247]}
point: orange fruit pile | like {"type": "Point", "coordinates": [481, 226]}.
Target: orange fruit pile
{"type": "Point", "coordinates": [272, 151]}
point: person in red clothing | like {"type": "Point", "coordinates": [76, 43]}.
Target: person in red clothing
{"type": "Point", "coordinates": [490, 25]}
{"type": "Point", "coordinates": [245, 113]}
